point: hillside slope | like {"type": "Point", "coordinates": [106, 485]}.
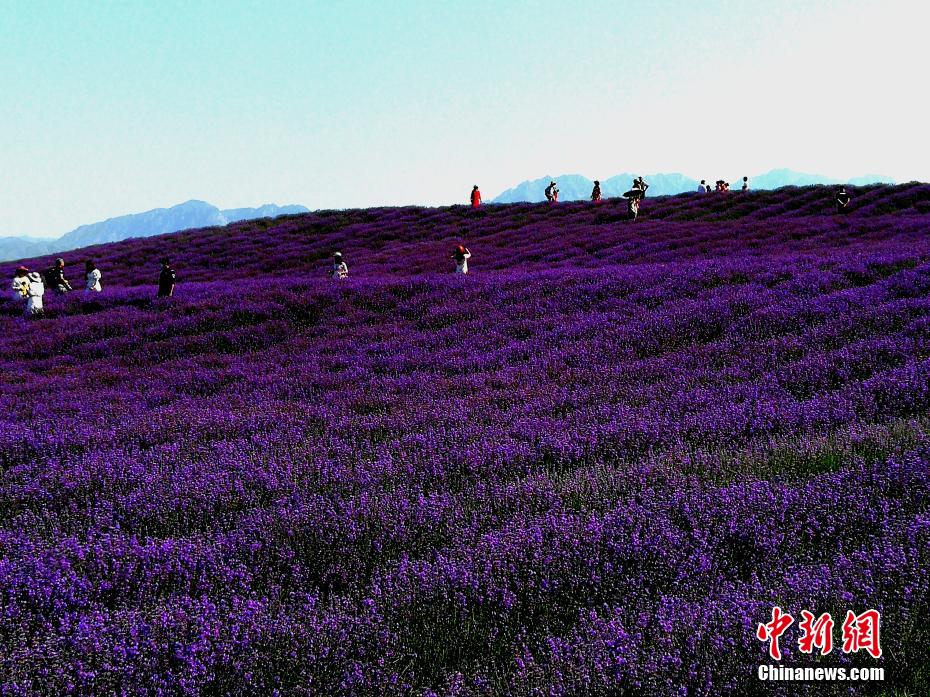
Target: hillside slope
{"type": "Point", "coordinates": [410, 241]}
{"type": "Point", "coordinates": [590, 467]}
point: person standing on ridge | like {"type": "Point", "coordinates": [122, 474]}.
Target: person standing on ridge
{"type": "Point", "coordinates": [475, 197]}
{"type": "Point", "coordinates": [552, 193]}
{"type": "Point", "coordinates": [842, 200]}
{"type": "Point", "coordinates": [745, 184]}
{"type": "Point", "coordinates": [92, 277]}
{"type": "Point", "coordinates": [596, 192]}
{"type": "Point", "coordinates": [641, 184]}
{"type": "Point", "coordinates": [166, 279]}
{"type": "Point", "coordinates": [340, 270]}
{"type": "Point", "coordinates": [55, 278]}
{"type": "Point", "coordinates": [702, 187]}
{"type": "Point", "coordinates": [460, 256]}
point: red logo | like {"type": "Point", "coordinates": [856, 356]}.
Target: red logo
{"type": "Point", "coordinates": [860, 632]}
{"type": "Point", "coordinates": [816, 634]}
{"type": "Point", "coordinates": [773, 630]}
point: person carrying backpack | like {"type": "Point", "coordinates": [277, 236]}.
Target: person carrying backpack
{"type": "Point", "coordinates": [92, 277]}
{"type": "Point", "coordinates": [339, 270]}
{"type": "Point", "coordinates": [460, 256]}
{"type": "Point", "coordinates": [55, 278]}
{"type": "Point", "coordinates": [166, 279]}
{"type": "Point", "coordinates": [475, 197]}
{"type": "Point", "coordinates": [552, 193]}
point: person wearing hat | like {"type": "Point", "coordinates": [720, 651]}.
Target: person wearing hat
{"type": "Point", "coordinates": [475, 197]}
{"type": "Point", "coordinates": [340, 270]}
{"type": "Point", "coordinates": [166, 279]}
{"type": "Point", "coordinates": [596, 192]}
{"type": "Point", "coordinates": [35, 291]}
{"type": "Point", "coordinates": [21, 284]}
{"type": "Point", "coordinates": [55, 278]}
{"type": "Point", "coordinates": [92, 277]}
{"type": "Point", "coordinates": [460, 256]}
{"type": "Point", "coordinates": [842, 200]}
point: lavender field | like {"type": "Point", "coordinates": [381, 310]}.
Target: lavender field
{"type": "Point", "coordinates": [590, 467]}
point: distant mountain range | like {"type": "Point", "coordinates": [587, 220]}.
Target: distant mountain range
{"type": "Point", "coordinates": [575, 187]}
{"type": "Point", "coordinates": [192, 214]}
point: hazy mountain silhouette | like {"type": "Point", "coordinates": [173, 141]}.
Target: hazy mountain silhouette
{"type": "Point", "coordinates": [184, 216]}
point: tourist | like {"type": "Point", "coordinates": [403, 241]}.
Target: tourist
{"type": "Point", "coordinates": [460, 256]}
{"type": "Point", "coordinates": [340, 270]}
{"type": "Point", "coordinates": [92, 277]}
{"type": "Point", "coordinates": [166, 279]}
{"type": "Point", "coordinates": [55, 278]}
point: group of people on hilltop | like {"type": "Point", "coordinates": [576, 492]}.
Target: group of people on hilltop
{"type": "Point", "coordinates": [638, 191]}
{"type": "Point", "coordinates": [29, 287]}
{"type": "Point", "coordinates": [720, 186]}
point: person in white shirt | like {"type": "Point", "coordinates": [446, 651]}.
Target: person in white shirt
{"type": "Point", "coordinates": [35, 291]}
{"type": "Point", "coordinates": [92, 277]}
{"type": "Point", "coordinates": [20, 285]}
{"type": "Point", "coordinates": [339, 270]}
{"type": "Point", "coordinates": [461, 255]}
{"type": "Point", "coordinates": [745, 183]}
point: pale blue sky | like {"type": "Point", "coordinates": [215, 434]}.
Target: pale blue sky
{"type": "Point", "coordinates": [116, 107]}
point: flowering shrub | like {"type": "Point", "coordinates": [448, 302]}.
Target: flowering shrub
{"type": "Point", "coordinates": [592, 466]}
